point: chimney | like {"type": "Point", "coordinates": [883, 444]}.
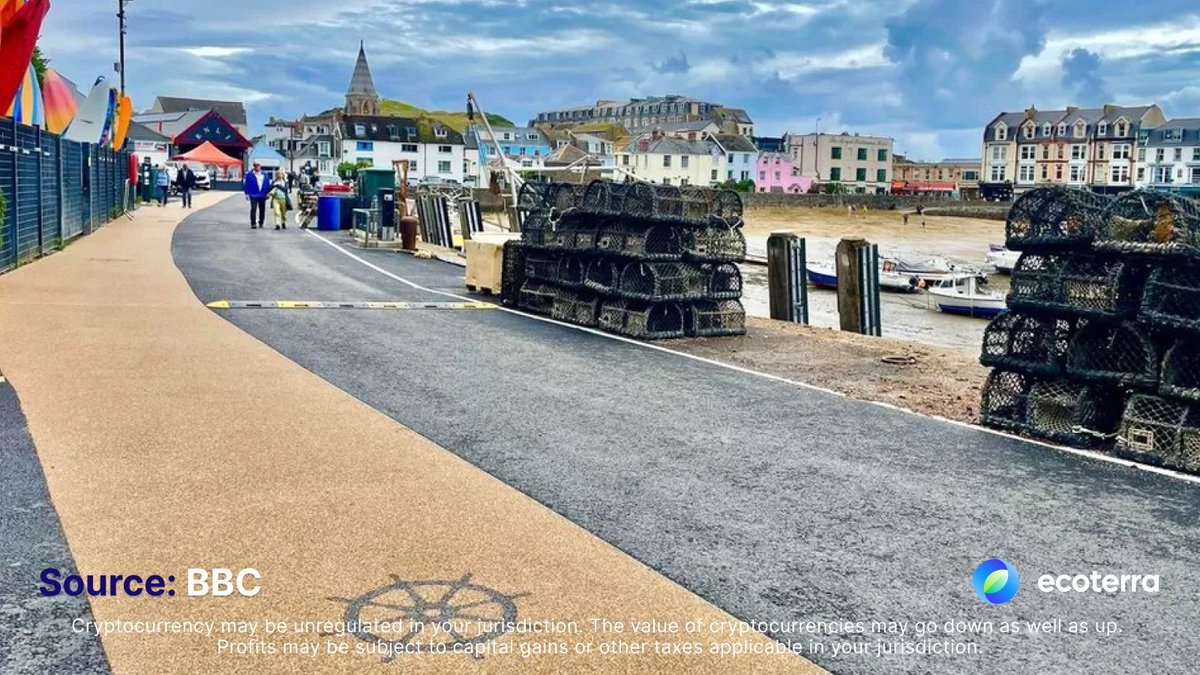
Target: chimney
{"type": "Point", "coordinates": [1071, 109]}
{"type": "Point", "coordinates": [1030, 112]}
{"type": "Point", "coordinates": [1109, 109]}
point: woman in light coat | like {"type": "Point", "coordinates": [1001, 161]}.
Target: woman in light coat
{"type": "Point", "coordinates": [279, 199]}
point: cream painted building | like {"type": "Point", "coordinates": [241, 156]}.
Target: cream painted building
{"type": "Point", "coordinates": [863, 164]}
{"type": "Point", "coordinates": [672, 161]}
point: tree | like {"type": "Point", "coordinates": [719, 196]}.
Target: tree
{"type": "Point", "coordinates": [40, 63]}
{"type": "Point", "coordinates": [347, 170]}
{"type": "Point", "coordinates": [834, 188]}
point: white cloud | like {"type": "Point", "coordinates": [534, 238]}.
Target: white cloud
{"type": "Point", "coordinates": [215, 52]}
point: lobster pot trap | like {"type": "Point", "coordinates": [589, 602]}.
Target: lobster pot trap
{"type": "Point", "coordinates": [725, 281]}
{"type": "Point", "coordinates": [651, 242]}
{"type": "Point", "coordinates": [1181, 371]}
{"type": "Point", "coordinates": [1077, 285]}
{"type": "Point", "coordinates": [663, 281]}
{"type": "Point", "coordinates": [1126, 354]}
{"type": "Point", "coordinates": [536, 230]}
{"type": "Point", "coordinates": [1161, 432]}
{"type": "Point", "coordinates": [711, 318]}
{"type": "Point", "coordinates": [578, 307]}
{"type": "Point", "coordinates": [574, 235]}
{"type": "Point", "coordinates": [714, 243]}
{"type": "Point", "coordinates": [642, 320]}
{"type": "Point", "coordinates": [563, 197]}
{"type": "Point", "coordinates": [602, 275]}
{"type": "Point", "coordinates": [513, 275]}
{"type": "Point", "coordinates": [571, 271]}
{"type": "Point", "coordinates": [1149, 222]}
{"type": "Point", "coordinates": [541, 266]}
{"type": "Point", "coordinates": [603, 197]}
{"type": "Point", "coordinates": [537, 296]}
{"type": "Point", "coordinates": [1027, 343]}
{"type": "Point", "coordinates": [653, 202]}
{"type": "Point", "coordinates": [1005, 395]}
{"type": "Point", "coordinates": [1055, 218]}
{"type": "Point", "coordinates": [1172, 297]}
{"type": "Point", "coordinates": [1073, 413]}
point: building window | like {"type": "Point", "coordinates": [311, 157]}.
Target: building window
{"type": "Point", "coordinates": [1141, 154]}
{"type": "Point", "coordinates": [1001, 133]}
{"type": "Point", "coordinates": [683, 161]}
{"type": "Point", "coordinates": [882, 154]}
{"type": "Point", "coordinates": [1120, 151]}
{"type": "Point", "coordinates": [1141, 175]}
{"type": "Point", "coordinates": [1195, 175]}
{"type": "Point", "coordinates": [444, 167]}
{"type": "Point", "coordinates": [1100, 151]}
{"type": "Point", "coordinates": [1027, 152]}
{"type": "Point", "coordinates": [1173, 134]}
{"type": "Point", "coordinates": [862, 154]}
{"type": "Point", "coordinates": [998, 173]}
{"type": "Point", "coordinates": [777, 177]}
{"type": "Point", "coordinates": [666, 161]}
{"type": "Point", "coordinates": [1060, 151]}
{"type": "Point", "coordinates": [444, 149]}
{"type": "Point", "coordinates": [1080, 129]}
{"type": "Point", "coordinates": [835, 152]}
{"type": "Point", "coordinates": [835, 174]}
{"type": "Point", "coordinates": [1028, 130]}
{"type": "Point", "coordinates": [1162, 175]}
{"type": "Point", "coordinates": [1076, 174]}
{"type": "Point", "coordinates": [1160, 155]}
{"type": "Point", "coordinates": [1102, 129]}
{"type": "Point", "coordinates": [999, 153]}
{"type": "Point", "coordinates": [881, 175]}
{"type": "Point", "coordinates": [1045, 172]}
{"type": "Point", "coordinates": [1062, 129]}
{"type": "Point", "coordinates": [1078, 152]}
{"type": "Point", "coordinates": [440, 132]}
{"type": "Point", "coordinates": [412, 166]}
{"type": "Point", "coordinates": [1120, 173]}
{"type": "Point", "coordinates": [364, 146]}
{"type": "Point", "coordinates": [1025, 174]}
{"type": "Point", "coordinates": [1178, 154]}
{"type": "Point", "coordinates": [762, 175]}
{"type": "Point", "coordinates": [625, 160]}
{"type": "Point", "coordinates": [323, 149]}
{"type": "Point", "coordinates": [1121, 128]}
{"type": "Point", "coordinates": [1045, 152]}
{"type": "Point", "coordinates": [714, 174]}
{"type": "Point", "coordinates": [860, 175]}
{"type": "Point", "coordinates": [1047, 130]}
{"type": "Point", "coordinates": [1196, 154]}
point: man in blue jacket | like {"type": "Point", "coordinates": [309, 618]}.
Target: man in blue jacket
{"type": "Point", "coordinates": [257, 189]}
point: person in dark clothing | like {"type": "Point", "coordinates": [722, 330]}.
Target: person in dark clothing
{"type": "Point", "coordinates": [257, 189]}
{"type": "Point", "coordinates": [185, 181]}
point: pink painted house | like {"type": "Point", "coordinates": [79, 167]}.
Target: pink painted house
{"type": "Point", "coordinates": [777, 173]}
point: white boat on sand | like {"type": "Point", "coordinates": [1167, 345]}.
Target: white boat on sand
{"type": "Point", "coordinates": [1002, 259]}
{"type": "Point", "coordinates": [965, 297]}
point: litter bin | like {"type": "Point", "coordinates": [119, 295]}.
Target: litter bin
{"type": "Point", "coordinates": [329, 213]}
{"type": "Point", "coordinates": [408, 233]}
{"type": "Point", "coordinates": [348, 203]}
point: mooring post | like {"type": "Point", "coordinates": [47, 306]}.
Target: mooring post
{"type": "Point", "coordinates": [782, 274]}
{"type": "Point", "coordinates": [851, 285]}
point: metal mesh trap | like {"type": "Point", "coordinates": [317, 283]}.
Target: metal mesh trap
{"type": "Point", "coordinates": [537, 296]}
{"type": "Point", "coordinates": [604, 197]}
{"type": "Point", "coordinates": [512, 276]}
{"type": "Point", "coordinates": [1078, 284]}
{"type": "Point", "coordinates": [1004, 399]}
{"type": "Point", "coordinates": [647, 241]}
{"type": "Point", "coordinates": [610, 237]}
{"type": "Point", "coordinates": [533, 196]}
{"type": "Point", "coordinates": [1027, 343]}
{"type": "Point", "coordinates": [663, 281]}
{"type": "Point", "coordinates": [714, 243]}
{"type": "Point", "coordinates": [1125, 354]}
{"type": "Point", "coordinates": [642, 320]}
{"type": "Point", "coordinates": [725, 281]}
{"type": "Point", "coordinates": [571, 271]}
{"type": "Point", "coordinates": [1073, 413]}
{"type": "Point", "coordinates": [1055, 217]}
{"type": "Point", "coordinates": [540, 266]}
{"type": "Point", "coordinates": [1181, 371]}
{"type": "Point", "coordinates": [564, 196]}
{"type": "Point", "coordinates": [578, 307]}
{"type": "Point", "coordinates": [1172, 297]}
{"type": "Point", "coordinates": [1153, 223]}
{"type": "Point", "coordinates": [1161, 432]}
{"type": "Point", "coordinates": [712, 318]}
{"type": "Point", "coordinates": [537, 230]}
{"type": "Point", "coordinates": [602, 275]}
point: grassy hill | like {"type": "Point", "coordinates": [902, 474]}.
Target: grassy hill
{"type": "Point", "coordinates": [454, 120]}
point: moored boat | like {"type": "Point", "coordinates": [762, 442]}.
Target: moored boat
{"type": "Point", "coordinates": [965, 297]}
{"type": "Point", "coordinates": [1002, 259]}
{"type": "Point", "coordinates": [824, 275]}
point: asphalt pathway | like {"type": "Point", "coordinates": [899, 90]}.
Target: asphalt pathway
{"type": "Point", "coordinates": [35, 631]}
{"type": "Point", "coordinates": [774, 502]}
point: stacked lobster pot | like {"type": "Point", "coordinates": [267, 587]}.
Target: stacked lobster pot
{"type": "Point", "coordinates": [646, 261]}
{"type": "Point", "coordinates": [1080, 357]}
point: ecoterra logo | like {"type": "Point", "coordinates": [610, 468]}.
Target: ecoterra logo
{"type": "Point", "coordinates": [996, 582]}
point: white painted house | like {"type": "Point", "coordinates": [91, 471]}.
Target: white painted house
{"type": "Point", "coordinates": [431, 149]}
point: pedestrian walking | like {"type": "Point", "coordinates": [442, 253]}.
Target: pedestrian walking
{"type": "Point", "coordinates": [280, 199]}
{"type": "Point", "coordinates": [906, 217]}
{"type": "Point", "coordinates": [185, 181]}
{"type": "Point", "coordinates": [257, 188]}
{"type": "Point", "coordinates": [163, 183]}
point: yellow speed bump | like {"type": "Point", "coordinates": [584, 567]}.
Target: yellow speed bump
{"type": "Point", "coordinates": [316, 304]}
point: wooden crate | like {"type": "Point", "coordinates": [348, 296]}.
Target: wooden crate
{"type": "Point", "coordinates": [485, 260]}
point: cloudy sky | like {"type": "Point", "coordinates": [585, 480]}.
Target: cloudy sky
{"type": "Point", "coordinates": [928, 73]}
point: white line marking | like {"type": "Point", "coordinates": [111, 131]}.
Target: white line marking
{"type": "Point", "coordinates": [1090, 454]}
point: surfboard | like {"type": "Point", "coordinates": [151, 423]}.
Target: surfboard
{"type": "Point", "coordinates": [58, 100]}
{"type": "Point", "coordinates": [89, 122]}
{"type": "Point", "coordinates": [110, 118]}
{"type": "Point", "coordinates": [18, 36]}
{"type": "Point", "coordinates": [124, 114]}
{"type": "Point", "coordinates": [26, 107]}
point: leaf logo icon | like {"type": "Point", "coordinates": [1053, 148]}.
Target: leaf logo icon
{"type": "Point", "coordinates": [995, 582]}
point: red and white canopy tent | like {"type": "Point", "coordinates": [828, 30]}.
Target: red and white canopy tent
{"type": "Point", "coordinates": [209, 155]}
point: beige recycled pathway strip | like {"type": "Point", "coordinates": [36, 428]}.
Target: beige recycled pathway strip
{"type": "Point", "coordinates": [171, 439]}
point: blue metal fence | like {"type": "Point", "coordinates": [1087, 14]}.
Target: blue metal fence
{"type": "Point", "coordinates": [55, 190]}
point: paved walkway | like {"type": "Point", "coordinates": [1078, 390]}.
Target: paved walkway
{"type": "Point", "coordinates": [775, 502]}
{"type": "Point", "coordinates": [171, 439]}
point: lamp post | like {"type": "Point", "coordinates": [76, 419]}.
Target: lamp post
{"type": "Point", "coordinates": [121, 24]}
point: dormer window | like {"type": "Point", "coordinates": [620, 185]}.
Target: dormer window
{"type": "Point", "coordinates": [1029, 129]}
{"type": "Point", "coordinates": [1080, 128]}
{"type": "Point", "coordinates": [1102, 129]}
{"type": "Point", "coordinates": [1062, 129]}
{"type": "Point", "coordinates": [440, 132]}
{"type": "Point", "coordinates": [1001, 132]}
{"type": "Point", "coordinates": [1047, 130]}
{"type": "Point", "coordinates": [1122, 128]}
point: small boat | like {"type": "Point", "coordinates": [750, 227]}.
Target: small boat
{"type": "Point", "coordinates": [824, 275]}
{"type": "Point", "coordinates": [931, 271]}
{"type": "Point", "coordinates": [965, 297]}
{"type": "Point", "coordinates": [1002, 259]}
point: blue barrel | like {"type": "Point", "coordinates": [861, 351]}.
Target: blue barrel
{"type": "Point", "coordinates": [329, 213]}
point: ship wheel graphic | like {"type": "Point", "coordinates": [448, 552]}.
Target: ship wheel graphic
{"type": "Point", "coordinates": [463, 612]}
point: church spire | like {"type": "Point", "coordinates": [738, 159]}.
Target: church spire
{"type": "Point", "coordinates": [361, 97]}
